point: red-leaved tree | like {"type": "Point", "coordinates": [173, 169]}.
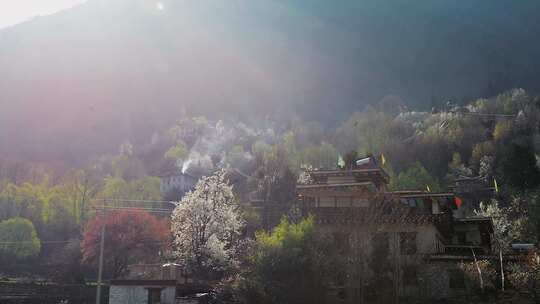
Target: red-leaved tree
{"type": "Point", "coordinates": [130, 237]}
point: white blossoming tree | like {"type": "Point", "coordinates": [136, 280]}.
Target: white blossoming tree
{"type": "Point", "coordinates": [206, 225]}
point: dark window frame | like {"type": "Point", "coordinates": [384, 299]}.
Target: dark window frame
{"type": "Point", "coordinates": [456, 279]}
{"type": "Point", "coordinates": [342, 241]}
{"type": "Point", "coordinates": [407, 243]}
{"type": "Point", "coordinates": [154, 295]}
{"type": "Point", "coordinates": [410, 275]}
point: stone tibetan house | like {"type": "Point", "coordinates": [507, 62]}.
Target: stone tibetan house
{"type": "Point", "coordinates": [404, 244]}
{"type": "Point", "coordinates": [157, 284]}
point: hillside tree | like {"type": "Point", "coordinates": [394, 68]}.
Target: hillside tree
{"type": "Point", "coordinates": [18, 239]}
{"type": "Point", "coordinates": [129, 237]}
{"type": "Point", "coordinates": [206, 224]}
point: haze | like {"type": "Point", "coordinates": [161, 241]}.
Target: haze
{"type": "Point", "coordinates": [77, 82]}
{"type": "Point", "coordinates": [13, 12]}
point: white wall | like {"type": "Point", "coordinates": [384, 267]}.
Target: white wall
{"type": "Point", "coordinates": [139, 294]}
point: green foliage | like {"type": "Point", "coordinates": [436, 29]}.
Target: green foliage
{"type": "Point", "coordinates": [288, 146]}
{"type": "Point", "coordinates": [480, 150]}
{"type": "Point", "coordinates": [18, 239]}
{"type": "Point", "coordinates": [509, 223]}
{"type": "Point", "coordinates": [286, 235]}
{"type": "Point", "coordinates": [146, 188]}
{"type": "Point", "coordinates": [457, 169]}
{"type": "Point", "coordinates": [236, 157]}
{"type": "Point", "coordinates": [415, 177]}
{"type": "Point", "coordinates": [292, 264]}
{"type": "Point", "coordinates": [320, 156]}
{"type": "Point", "coordinates": [261, 149]}
{"type": "Point", "coordinates": [370, 132]}
{"type": "Point", "coordinates": [421, 149]}
{"type": "Point", "coordinates": [127, 167]}
{"type": "Point", "coordinates": [177, 152]}
{"type": "Point", "coordinates": [48, 207]}
{"type": "Point", "coordinates": [515, 159]}
{"type": "Point", "coordinates": [513, 101]}
{"type": "Point", "coordinates": [502, 130]}
{"type": "Point", "coordinates": [276, 178]}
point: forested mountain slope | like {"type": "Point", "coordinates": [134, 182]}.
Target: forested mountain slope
{"type": "Point", "coordinates": [76, 83]}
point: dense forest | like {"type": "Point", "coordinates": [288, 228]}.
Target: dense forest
{"type": "Point", "coordinates": [48, 223]}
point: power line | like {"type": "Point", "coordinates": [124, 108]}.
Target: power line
{"type": "Point", "coordinates": [486, 114]}
{"type": "Point", "coordinates": [133, 200]}
{"type": "Point", "coordinates": [24, 242]}
{"type": "Point", "coordinates": [133, 208]}
{"type": "Point", "coordinates": [64, 242]}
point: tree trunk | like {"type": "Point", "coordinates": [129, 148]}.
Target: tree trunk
{"type": "Point", "coordinates": [502, 269]}
{"type": "Point", "coordinates": [479, 271]}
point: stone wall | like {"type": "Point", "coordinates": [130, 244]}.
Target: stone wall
{"type": "Point", "coordinates": [32, 293]}
{"type": "Point", "coordinates": [379, 273]}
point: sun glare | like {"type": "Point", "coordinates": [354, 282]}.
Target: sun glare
{"type": "Point", "coordinates": [160, 6]}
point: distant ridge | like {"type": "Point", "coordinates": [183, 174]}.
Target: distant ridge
{"type": "Point", "coordinates": [75, 83]}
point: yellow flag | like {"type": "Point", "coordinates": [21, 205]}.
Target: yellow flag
{"type": "Point", "coordinates": [496, 186]}
{"type": "Point", "coordinates": [427, 188]}
{"type": "Point", "coordinates": [383, 159]}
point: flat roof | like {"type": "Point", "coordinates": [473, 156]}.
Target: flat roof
{"type": "Point", "coordinates": [313, 186]}
{"type": "Point", "coordinates": [425, 194]}
{"type": "Point", "coordinates": [147, 282]}
{"type": "Point", "coordinates": [474, 219]}
{"type": "Point", "coordinates": [345, 171]}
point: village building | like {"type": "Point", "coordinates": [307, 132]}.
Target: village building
{"type": "Point", "coordinates": [403, 244]}
{"type": "Point", "coordinates": [157, 284]}
{"type": "Point", "coordinates": [176, 182]}
{"type": "Point", "coordinates": [142, 292]}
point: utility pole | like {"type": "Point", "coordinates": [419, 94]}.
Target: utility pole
{"type": "Point", "coordinates": [101, 248]}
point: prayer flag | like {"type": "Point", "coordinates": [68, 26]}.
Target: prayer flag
{"type": "Point", "coordinates": [458, 202]}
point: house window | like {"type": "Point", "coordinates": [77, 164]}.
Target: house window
{"type": "Point", "coordinates": [381, 242]}
{"type": "Point", "coordinates": [340, 278]}
{"type": "Point", "coordinates": [154, 295]}
{"type": "Point", "coordinates": [386, 208]}
{"type": "Point", "coordinates": [326, 201]}
{"type": "Point", "coordinates": [360, 202]}
{"type": "Point", "coordinates": [428, 205]}
{"type": "Point", "coordinates": [341, 241]}
{"type": "Point", "coordinates": [410, 276]}
{"type": "Point", "coordinates": [461, 237]}
{"type": "Point", "coordinates": [407, 242]}
{"type": "Point", "coordinates": [456, 279]}
{"type": "Point", "coordinates": [342, 294]}
{"type": "Point", "coordinates": [343, 201]}
{"type": "Point", "coordinates": [485, 238]}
